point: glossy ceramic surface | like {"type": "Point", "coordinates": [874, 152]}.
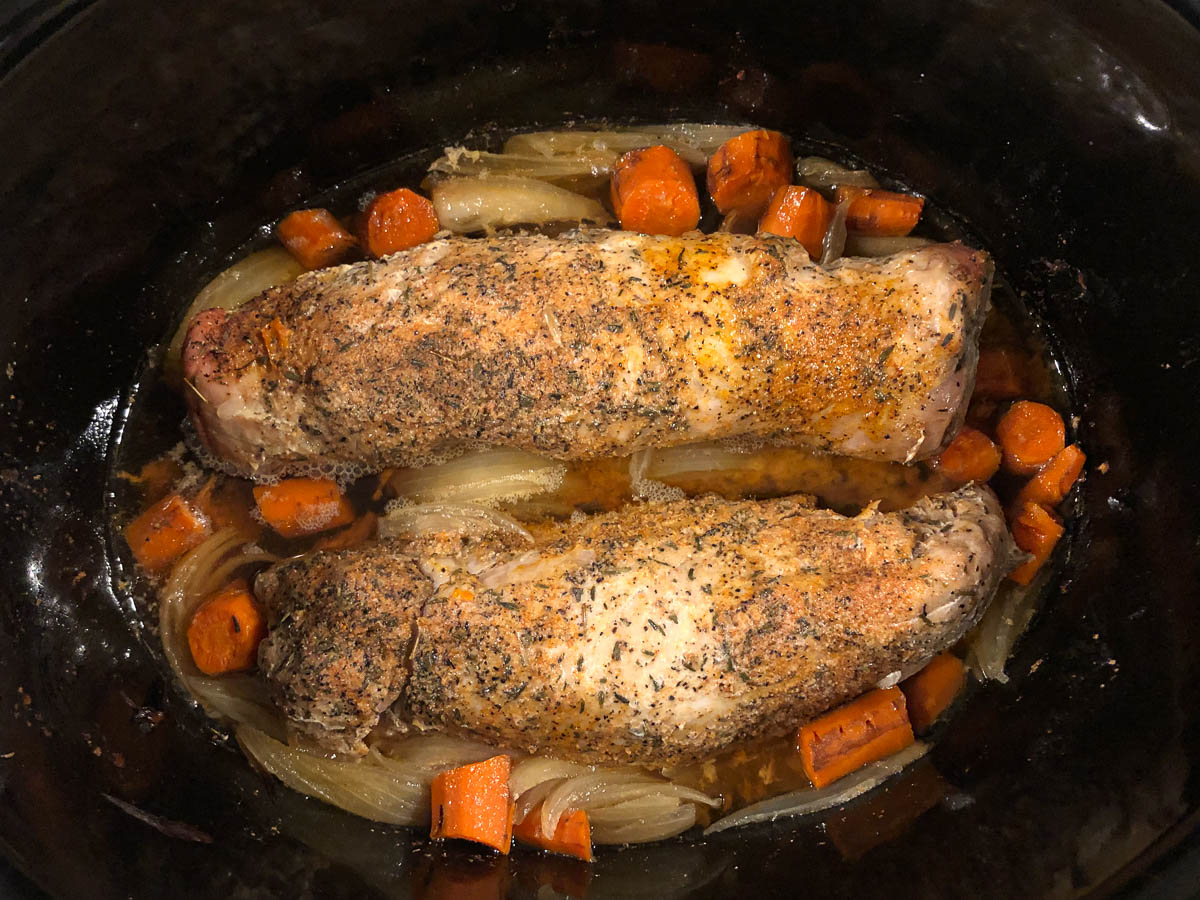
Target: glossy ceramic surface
{"type": "Point", "coordinates": [142, 145]}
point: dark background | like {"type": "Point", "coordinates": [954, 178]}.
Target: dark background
{"type": "Point", "coordinates": [143, 143]}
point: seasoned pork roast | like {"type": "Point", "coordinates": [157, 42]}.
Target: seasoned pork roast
{"type": "Point", "coordinates": [593, 344]}
{"type": "Point", "coordinates": [661, 633]}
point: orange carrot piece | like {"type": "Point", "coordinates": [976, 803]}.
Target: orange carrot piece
{"type": "Point", "coordinates": [880, 213]}
{"type": "Point", "coordinates": [226, 630]}
{"type": "Point", "coordinates": [396, 221]}
{"type": "Point", "coordinates": [930, 692]}
{"type": "Point", "coordinates": [165, 532]}
{"type": "Point", "coordinates": [653, 192]}
{"type": "Point", "coordinates": [360, 530]}
{"type": "Point", "coordinates": [849, 737]}
{"type": "Point", "coordinates": [1000, 374]}
{"type": "Point", "coordinates": [1036, 530]}
{"type": "Point", "coordinates": [748, 169]}
{"type": "Point", "coordinates": [800, 213]}
{"type": "Point", "coordinates": [971, 456]}
{"type": "Point", "coordinates": [572, 837]}
{"type": "Point", "coordinates": [298, 506]}
{"type": "Point", "coordinates": [315, 238]}
{"type": "Point", "coordinates": [1030, 435]}
{"type": "Point", "coordinates": [472, 803]}
{"type": "Point", "coordinates": [1053, 480]}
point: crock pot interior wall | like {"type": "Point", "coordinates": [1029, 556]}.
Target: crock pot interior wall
{"type": "Point", "coordinates": [143, 142]}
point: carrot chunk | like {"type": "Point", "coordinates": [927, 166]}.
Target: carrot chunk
{"type": "Point", "coordinates": [1000, 374]}
{"type": "Point", "coordinates": [880, 213]}
{"type": "Point", "coordinates": [226, 630]}
{"type": "Point", "coordinates": [748, 169]}
{"type": "Point", "coordinates": [1053, 480]}
{"type": "Point", "coordinates": [1030, 434]}
{"type": "Point", "coordinates": [653, 192]}
{"type": "Point", "coordinates": [472, 803]}
{"type": "Point", "coordinates": [800, 213]}
{"type": "Point", "coordinates": [165, 532]}
{"type": "Point", "coordinates": [298, 506]}
{"type": "Point", "coordinates": [396, 221]}
{"type": "Point", "coordinates": [971, 456]}
{"type": "Point", "coordinates": [849, 737]}
{"type": "Point", "coordinates": [930, 692]}
{"type": "Point", "coordinates": [572, 837]}
{"type": "Point", "coordinates": [1036, 530]}
{"type": "Point", "coordinates": [315, 238]}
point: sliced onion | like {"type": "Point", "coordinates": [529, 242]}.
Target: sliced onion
{"type": "Point", "coordinates": [991, 642]}
{"type": "Point", "coordinates": [466, 205]}
{"type": "Point", "coordinates": [432, 752]}
{"type": "Point", "coordinates": [239, 698]}
{"type": "Point", "coordinates": [641, 831]}
{"type": "Point", "coordinates": [242, 281]}
{"type": "Point", "coordinates": [705, 457]}
{"type": "Point", "coordinates": [811, 800]}
{"type": "Point", "coordinates": [606, 788]}
{"type": "Point", "coordinates": [537, 769]}
{"type": "Point", "coordinates": [695, 142]}
{"type": "Point", "coordinates": [528, 800]}
{"type": "Point", "coordinates": [825, 175]}
{"type": "Point", "coordinates": [581, 172]}
{"type": "Point", "coordinates": [482, 477]}
{"type": "Point", "coordinates": [866, 245]}
{"type": "Point", "coordinates": [442, 518]}
{"type": "Point", "coordinates": [365, 787]}
{"type": "Point", "coordinates": [834, 241]}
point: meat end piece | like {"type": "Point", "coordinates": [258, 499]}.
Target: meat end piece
{"type": "Point", "coordinates": [341, 629]}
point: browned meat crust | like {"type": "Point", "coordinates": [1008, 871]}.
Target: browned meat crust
{"type": "Point", "coordinates": [659, 634]}
{"type": "Point", "coordinates": [593, 344]}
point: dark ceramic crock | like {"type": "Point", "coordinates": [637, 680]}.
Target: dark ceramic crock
{"type": "Point", "coordinates": [142, 143]}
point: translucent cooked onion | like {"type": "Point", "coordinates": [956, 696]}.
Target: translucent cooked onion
{"type": "Point", "coordinates": [646, 830]}
{"type": "Point", "coordinates": [581, 172]}
{"type": "Point", "coordinates": [695, 142]}
{"type": "Point", "coordinates": [391, 787]}
{"type": "Point", "coordinates": [365, 787]}
{"type": "Point", "coordinates": [466, 205]}
{"type": "Point", "coordinates": [866, 245]}
{"type": "Point", "coordinates": [242, 281]}
{"type": "Point", "coordinates": [447, 518]}
{"type": "Point", "coordinates": [811, 800]}
{"type": "Point", "coordinates": [644, 487]}
{"type": "Point", "coordinates": [602, 789]}
{"type": "Point", "coordinates": [482, 477]}
{"type": "Point", "coordinates": [537, 770]}
{"type": "Point", "coordinates": [991, 642]}
{"type": "Point", "coordinates": [239, 698]}
{"type": "Point", "coordinates": [834, 242]}
{"type": "Point", "coordinates": [704, 457]}
{"type": "Point", "coordinates": [825, 175]}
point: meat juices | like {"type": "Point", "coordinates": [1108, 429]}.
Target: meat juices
{"type": "Point", "coordinates": [660, 633]}
{"type": "Point", "coordinates": [594, 344]}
